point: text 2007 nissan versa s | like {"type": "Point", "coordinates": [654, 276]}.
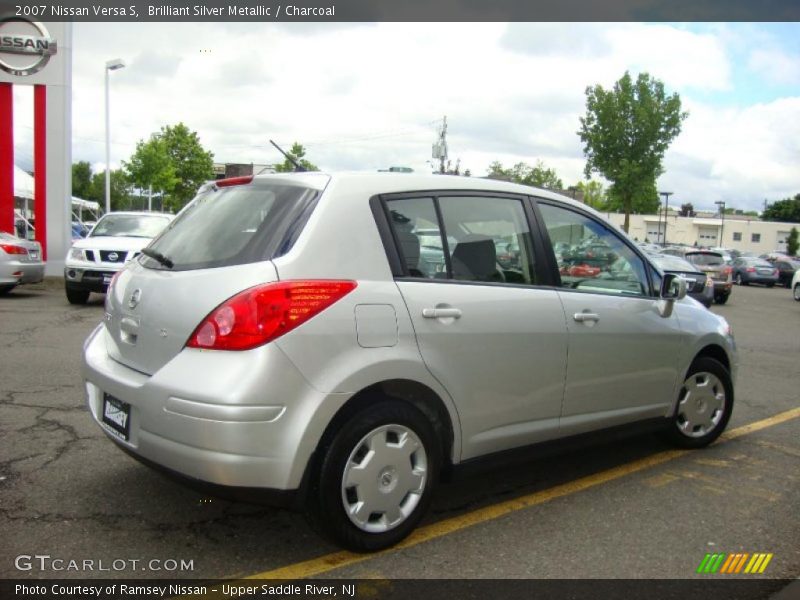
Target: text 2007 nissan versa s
{"type": "Point", "coordinates": [284, 336]}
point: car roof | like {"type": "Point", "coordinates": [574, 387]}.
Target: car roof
{"type": "Point", "coordinates": [391, 183]}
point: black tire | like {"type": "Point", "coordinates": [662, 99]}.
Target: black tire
{"type": "Point", "coordinates": [77, 296]}
{"type": "Point", "coordinates": [326, 507]}
{"type": "Point", "coordinates": [721, 299]}
{"type": "Point", "coordinates": [770, 285]}
{"type": "Point", "coordinates": [677, 433]}
{"type": "Point", "coordinates": [5, 289]}
{"type": "Point", "coordinates": [796, 292]}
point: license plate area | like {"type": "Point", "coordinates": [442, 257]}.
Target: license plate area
{"type": "Point", "coordinates": [117, 416]}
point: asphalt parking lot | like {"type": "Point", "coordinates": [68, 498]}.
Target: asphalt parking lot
{"type": "Point", "coordinates": [632, 509]}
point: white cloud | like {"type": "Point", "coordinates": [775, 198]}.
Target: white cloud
{"type": "Point", "coordinates": [776, 65]}
{"type": "Point", "coordinates": [369, 95]}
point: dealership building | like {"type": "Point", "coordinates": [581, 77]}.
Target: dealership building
{"type": "Point", "coordinates": [735, 232]}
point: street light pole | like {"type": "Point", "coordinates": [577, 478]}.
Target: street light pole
{"type": "Point", "coordinates": [721, 206]}
{"type": "Point", "coordinates": [666, 213]}
{"type": "Point", "coordinates": [111, 65]}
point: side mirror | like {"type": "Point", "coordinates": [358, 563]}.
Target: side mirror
{"type": "Point", "coordinates": [673, 287]}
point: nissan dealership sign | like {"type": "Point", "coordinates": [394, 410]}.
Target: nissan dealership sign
{"type": "Point", "coordinates": [25, 47]}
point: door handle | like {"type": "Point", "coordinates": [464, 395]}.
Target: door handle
{"type": "Point", "coordinates": [441, 313]}
{"type": "Point", "coordinates": [582, 317]}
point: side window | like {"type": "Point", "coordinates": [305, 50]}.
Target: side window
{"type": "Point", "coordinates": [482, 239]}
{"type": "Point", "coordinates": [416, 229]}
{"type": "Point", "coordinates": [488, 239]}
{"type": "Point", "coordinates": [591, 257]}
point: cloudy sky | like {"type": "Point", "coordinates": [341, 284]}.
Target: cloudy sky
{"type": "Point", "coordinates": [369, 96]}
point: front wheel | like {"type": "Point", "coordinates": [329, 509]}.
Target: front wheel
{"type": "Point", "coordinates": [705, 403]}
{"type": "Point", "coordinates": [77, 296]}
{"type": "Point", "coordinates": [376, 477]}
{"type": "Point", "coordinates": [796, 292]}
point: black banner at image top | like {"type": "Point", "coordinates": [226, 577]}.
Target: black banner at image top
{"type": "Point", "coordinates": [401, 11]}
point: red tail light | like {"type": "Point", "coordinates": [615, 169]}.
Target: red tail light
{"type": "Point", "coordinates": [12, 249]}
{"type": "Point", "coordinates": [263, 313]}
{"type": "Point", "coordinates": [750, 269]}
{"type": "Point", "coordinates": [727, 270]}
{"type": "Point", "coordinates": [244, 180]}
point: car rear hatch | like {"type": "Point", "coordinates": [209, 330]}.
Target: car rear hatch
{"type": "Point", "coordinates": [34, 251]}
{"type": "Point", "coordinates": [710, 263]}
{"type": "Point", "coordinates": [221, 244]}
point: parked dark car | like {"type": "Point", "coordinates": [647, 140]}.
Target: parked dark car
{"type": "Point", "coordinates": [712, 264]}
{"type": "Point", "coordinates": [748, 270]}
{"type": "Point", "coordinates": [786, 269]}
{"type": "Point", "coordinates": [698, 285]}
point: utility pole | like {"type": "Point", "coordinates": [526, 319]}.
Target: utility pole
{"type": "Point", "coordinates": [666, 213]}
{"type": "Point", "coordinates": [721, 206]}
{"type": "Point", "coordinates": [440, 147]}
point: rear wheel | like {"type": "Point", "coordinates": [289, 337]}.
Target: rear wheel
{"type": "Point", "coordinates": [77, 296]}
{"type": "Point", "coordinates": [376, 477]}
{"type": "Point", "coordinates": [721, 299]}
{"type": "Point", "coordinates": [704, 406]}
{"type": "Point", "coordinates": [5, 289]}
{"type": "Point", "coordinates": [796, 292]}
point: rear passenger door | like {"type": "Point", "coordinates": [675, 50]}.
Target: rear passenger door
{"type": "Point", "coordinates": [471, 273]}
{"type": "Point", "coordinates": [623, 355]}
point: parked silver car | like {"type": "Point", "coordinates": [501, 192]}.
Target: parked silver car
{"type": "Point", "coordinates": [281, 337]}
{"type": "Point", "coordinates": [20, 262]}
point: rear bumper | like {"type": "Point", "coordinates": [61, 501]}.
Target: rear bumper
{"type": "Point", "coordinates": [722, 288]}
{"type": "Point", "coordinates": [16, 272]}
{"type": "Point", "coordinates": [232, 419]}
{"type": "Point", "coordinates": [764, 280]}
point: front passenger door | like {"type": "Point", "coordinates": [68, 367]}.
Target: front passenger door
{"type": "Point", "coordinates": [623, 355]}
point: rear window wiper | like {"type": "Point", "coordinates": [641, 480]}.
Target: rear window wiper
{"type": "Point", "coordinates": [156, 255]}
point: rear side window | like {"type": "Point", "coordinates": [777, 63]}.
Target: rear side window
{"type": "Point", "coordinates": [235, 225]}
{"type": "Point", "coordinates": [478, 238]}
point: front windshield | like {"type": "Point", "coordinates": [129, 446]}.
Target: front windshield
{"type": "Point", "coordinates": [119, 225]}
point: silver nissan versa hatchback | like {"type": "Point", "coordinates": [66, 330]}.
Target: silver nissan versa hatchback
{"type": "Point", "coordinates": [289, 337]}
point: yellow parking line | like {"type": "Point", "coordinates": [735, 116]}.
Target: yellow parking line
{"type": "Point", "coordinates": [337, 560]}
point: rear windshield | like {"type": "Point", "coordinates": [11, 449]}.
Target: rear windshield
{"type": "Point", "coordinates": [235, 225]}
{"type": "Point", "coordinates": [709, 260]}
{"type": "Point", "coordinates": [142, 226]}
{"type": "Point", "coordinates": [673, 263]}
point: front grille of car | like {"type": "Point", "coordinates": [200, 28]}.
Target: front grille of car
{"type": "Point", "coordinates": [90, 255]}
{"type": "Point", "coordinates": [113, 256]}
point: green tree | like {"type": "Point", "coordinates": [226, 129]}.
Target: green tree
{"type": "Point", "coordinates": [626, 132]}
{"type": "Point", "coordinates": [81, 179]}
{"type": "Point", "coordinates": [192, 163]}
{"type": "Point", "coordinates": [787, 210]}
{"type": "Point", "coordinates": [687, 210]}
{"type": "Point", "coordinates": [120, 189]}
{"type": "Point", "coordinates": [538, 175]}
{"type": "Point", "coordinates": [151, 167]}
{"type": "Point", "coordinates": [594, 194]}
{"type": "Point", "coordinates": [792, 243]}
{"type": "Point", "coordinates": [298, 153]}
{"type": "Point", "coordinates": [644, 198]}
